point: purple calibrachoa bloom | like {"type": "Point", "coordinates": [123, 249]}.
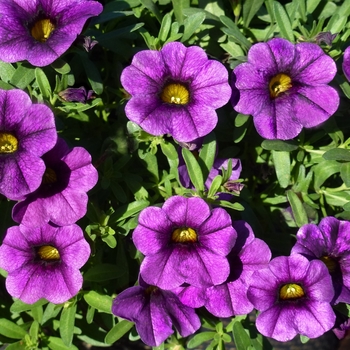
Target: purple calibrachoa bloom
{"type": "Point", "coordinates": [44, 262]}
{"type": "Point", "coordinates": [27, 131]}
{"type": "Point", "coordinates": [154, 312]}
{"type": "Point", "coordinates": [185, 241]}
{"type": "Point", "coordinates": [284, 87]}
{"type": "Point", "coordinates": [175, 91]}
{"type": "Point", "coordinates": [40, 31]}
{"type": "Point", "coordinates": [293, 296]}
{"type": "Point", "coordinates": [329, 242]}
{"type": "Point", "coordinates": [230, 298]}
{"type": "Point", "coordinates": [346, 63]}
{"type": "Point", "coordinates": [61, 198]}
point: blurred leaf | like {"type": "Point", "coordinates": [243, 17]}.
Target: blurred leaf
{"type": "Point", "coordinates": [281, 161]}
{"type": "Point", "coordinates": [151, 6]}
{"type": "Point", "coordinates": [337, 154]}
{"type": "Point", "coordinates": [67, 321]}
{"type": "Point", "coordinates": [103, 272]}
{"type": "Point", "coordinates": [194, 169]}
{"type": "Point", "coordinates": [11, 330]}
{"type": "Point", "coordinates": [6, 71]}
{"type": "Point", "coordinates": [165, 27]}
{"type": "Point", "coordinates": [311, 5]}
{"type": "Point", "coordinates": [279, 145]}
{"type": "Point", "coordinates": [283, 21]}
{"type": "Point", "coordinates": [345, 173]}
{"type": "Point", "coordinates": [299, 213]}
{"type": "Point", "coordinates": [43, 83]}
{"type": "Point", "coordinates": [118, 331]}
{"type": "Point", "coordinates": [56, 343]}
{"type": "Point", "coordinates": [200, 338]}
{"type": "Point", "coordinates": [23, 77]}
{"type": "Point", "coordinates": [100, 302]}
{"type": "Point", "coordinates": [250, 8]}
{"type": "Point", "coordinates": [192, 23]}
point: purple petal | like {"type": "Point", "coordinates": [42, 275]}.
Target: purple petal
{"type": "Point", "coordinates": [346, 63]}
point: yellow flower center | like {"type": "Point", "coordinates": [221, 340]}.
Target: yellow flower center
{"type": "Point", "coordinates": [42, 29]}
{"type": "Point", "coordinates": [330, 263]}
{"type": "Point", "coordinates": [8, 143]}
{"type": "Point", "coordinates": [175, 93]}
{"type": "Point", "coordinates": [278, 84]}
{"type": "Point", "coordinates": [184, 235]}
{"type": "Point", "coordinates": [291, 291]}
{"type": "Point", "coordinates": [49, 176]}
{"type": "Point", "coordinates": [48, 253]}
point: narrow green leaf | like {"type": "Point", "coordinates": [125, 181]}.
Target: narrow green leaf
{"type": "Point", "coordinates": [192, 23]}
{"type": "Point", "coordinates": [100, 302]}
{"type": "Point", "coordinates": [281, 160]}
{"type": "Point", "coordinates": [283, 21]}
{"type": "Point", "coordinates": [90, 314]}
{"type": "Point", "coordinates": [345, 173]}
{"type": "Point", "coordinates": [215, 185]}
{"type": "Point", "coordinates": [194, 170]}
{"type": "Point", "coordinates": [37, 313]}
{"type": "Point", "coordinates": [169, 150]}
{"type": "Point", "coordinates": [337, 154]}
{"type": "Point", "coordinates": [125, 211]}
{"type": "Point", "coordinates": [92, 73]}
{"type": "Point", "coordinates": [23, 77]}
{"type": "Point", "coordinates": [151, 6]}
{"type": "Point", "coordinates": [103, 272]}
{"type": "Point", "coordinates": [20, 306]}
{"type": "Point", "coordinates": [207, 154]}
{"type": "Point", "coordinates": [67, 321]}
{"type": "Point", "coordinates": [11, 330]}
{"type": "Point", "coordinates": [200, 338]}
{"type": "Point", "coordinates": [235, 206]}
{"type": "Point", "coordinates": [279, 145]}
{"type": "Point", "coordinates": [18, 345]}
{"type": "Point", "coordinates": [311, 5]}
{"type": "Point", "coordinates": [43, 83]}
{"type": "Point", "coordinates": [34, 330]}
{"type": "Point", "coordinates": [118, 331]}
{"type": "Point", "coordinates": [51, 311]}
{"type": "Point", "coordinates": [165, 27]}
{"type": "Point", "coordinates": [56, 343]}
{"type": "Point", "coordinates": [233, 31]}
{"type": "Point", "coordinates": [240, 336]}
{"type": "Point", "coordinates": [250, 8]}
{"type": "Point", "coordinates": [299, 213]}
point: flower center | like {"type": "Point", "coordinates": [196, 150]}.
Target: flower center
{"type": "Point", "coordinates": [291, 291]}
{"type": "Point", "coordinates": [151, 290]}
{"type": "Point", "coordinates": [330, 263]}
{"type": "Point", "coordinates": [49, 176]}
{"type": "Point", "coordinates": [184, 235]}
{"type": "Point", "coordinates": [42, 29]}
{"type": "Point", "coordinates": [8, 143]}
{"type": "Point", "coordinates": [175, 93]}
{"type": "Point", "coordinates": [48, 253]}
{"type": "Point", "coordinates": [278, 84]}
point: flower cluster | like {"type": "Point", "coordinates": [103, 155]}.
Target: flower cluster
{"type": "Point", "coordinates": [49, 180]}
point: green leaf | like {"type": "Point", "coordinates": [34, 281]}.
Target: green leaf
{"type": "Point", "coordinates": [20, 306]}
{"type": "Point", "coordinates": [118, 331]}
{"type": "Point", "coordinates": [299, 212]}
{"type": "Point", "coordinates": [200, 338]}
{"type": "Point", "coordinates": [233, 31]}
{"type": "Point", "coordinates": [165, 27]}
{"type": "Point", "coordinates": [43, 83]}
{"type": "Point", "coordinates": [323, 171]}
{"type": "Point", "coordinates": [207, 154]}
{"type": "Point", "coordinates": [338, 199]}
{"type": "Point", "coordinates": [151, 6]}
{"type": "Point", "coordinates": [240, 336]}
{"type": "Point", "coordinates": [11, 330]}
{"type": "Point", "coordinates": [6, 71]}
{"type": "Point", "coordinates": [100, 302]}
{"type": "Point", "coordinates": [279, 145]}
{"type": "Point", "coordinates": [194, 170]}
{"type": "Point", "coordinates": [235, 206]}
{"type": "Point", "coordinates": [125, 211]}
{"type": "Point", "coordinates": [250, 8]}
{"type": "Point", "coordinates": [51, 311]}
{"type": "Point", "coordinates": [345, 173]}
{"type": "Point", "coordinates": [34, 331]}
{"type": "Point", "coordinates": [23, 77]}
{"type": "Point", "coordinates": [56, 343]}
{"type": "Point", "coordinates": [311, 5]}
{"type": "Point", "coordinates": [283, 21]}
{"type": "Point", "coordinates": [61, 66]}
{"type": "Point", "coordinates": [67, 321]}
{"type": "Point", "coordinates": [110, 240]}
{"type": "Point", "coordinates": [304, 339]}
{"type": "Point", "coordinates": [281, 160]}
{"type": "Point", "coordinates": [215, 185]}
{"type": "Point", "coordinates": [169, 150]}
{"type": "Point", "coordinates": [93, 74]}
{"type": "Point", "coordinates": [192, 23]}
{"type": "Point", "coordinates": [337, 154]}
{"type": "Point", "coordinates": [103, 272]}
{"type": "Point", "coordinates": [37, 313]}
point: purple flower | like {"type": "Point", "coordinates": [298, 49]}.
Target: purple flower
{"type": "Point", "coordinates": [346, 63]}
{"type": "Point", "coordinates": [284, 87]}
{"type": "Point", "coordinates": [325, 38]}
{"type": "Point", "coordinates": [44, 262]}
{"type": "Point", "coordinates": [154, 312]}
{"type": "Point", "coordinates": [40, 31]}
{"type": "Point", "coordinates": [184, 242]}
{"type": "Point", "coordinates": [230, 298]}
{"type": "Point", "coordinates": [293, 296]}
{"type": "Point", "coordinates": [27, 131]}
{"type": "Point", "coordinates": [61, 198]}
{"type": "Point", "coordinates": [76, 94]}
{"type": "Point", "coordinates": [175, 91]}
{"type": "Point", "coordinates": [329, 242]}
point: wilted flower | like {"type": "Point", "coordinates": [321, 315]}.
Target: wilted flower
{"type": "Point", "coordinates": [184, 242]}
{"type": "Point", "coordinates": [329, 242]}
{"type": "Point", "coordinates": [284, 87]}
{"type": "Point", "coordinates": [175, 91]}
{"type": "Point", "coordinates": [76, 94]}
{"type": "Point", "coordinates": [86, 42]}
{"type": "Point", "coordinates": [293, 296]}
{"type": "Point", "coordinates": [154, 312]}
{"type": "Point", "coordinates": [27, 131]}
{"type": "Point", "coordinates": [325, 38]}
{"type": "Point", "coordinates": [44, 262]}
{"type": "Point", "coordinates": [40, 31]}
{"type": "Point", "coordinates": [61, 198]}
